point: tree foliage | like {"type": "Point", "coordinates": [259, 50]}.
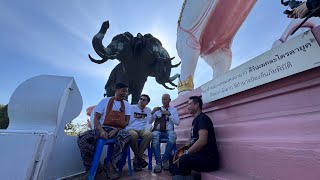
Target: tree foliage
{"type": "Point", "coordinates": [4, 118]}
{"type": "Point", "coordinates": [74, 129]}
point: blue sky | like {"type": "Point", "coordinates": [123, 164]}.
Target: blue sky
{"type": "Point", "coordinates": [54, 37]}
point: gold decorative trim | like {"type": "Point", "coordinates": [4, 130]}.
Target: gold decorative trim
{"type": "Point", "coordinates": [181, 12]}
{"type": "Point", "coordinates": [186, 85]}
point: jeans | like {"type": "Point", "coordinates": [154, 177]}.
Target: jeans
{"type": "Point", "coordinates": [156, 136]}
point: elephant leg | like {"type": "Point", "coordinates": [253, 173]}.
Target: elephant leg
{"type": "Point", "coordinates": [110, 86]}
{"type": "Point", "coordinates": [115, 77]}
{"type": "Point", "coordinates": [219, 60]}
{"type": "Point", "coordinates": [138, 87]}
{"type": "Point", "coordinates": [188, 51]}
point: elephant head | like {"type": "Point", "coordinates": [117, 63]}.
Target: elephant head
{"type": "Point", "coordinates": [119, 46]}
{"type": "Point", "coordinates": [162, 71]}
{"type": "Point", "coordinates": [162, 62]}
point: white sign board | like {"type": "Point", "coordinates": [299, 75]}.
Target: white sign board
{"type": "Point", "coordinates": [296, 55]}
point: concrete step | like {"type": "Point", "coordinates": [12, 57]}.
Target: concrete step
{"type": "Point", "coordinates": [223, 175]}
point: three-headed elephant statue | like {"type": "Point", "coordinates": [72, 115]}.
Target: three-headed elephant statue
{"type": "Point", "coordinates": [206, 28]}
{"type": "Point", "coordinates": [139, 57]}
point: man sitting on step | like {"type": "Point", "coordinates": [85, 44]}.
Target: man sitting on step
{"type": "Point", "coordinates": [201, 153]}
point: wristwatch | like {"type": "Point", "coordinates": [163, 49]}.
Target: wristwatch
{"type": "Point", "coordinates": [186, 151]}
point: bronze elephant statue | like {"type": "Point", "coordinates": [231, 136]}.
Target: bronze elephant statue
{"type": "Point", "coordinates": [139, 57]}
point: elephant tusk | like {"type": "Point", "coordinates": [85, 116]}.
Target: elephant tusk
{"type": "Point", "coordinates": [166, 59]}
{"type": "Point", "coordinates": [98, 61]}
{"type": "Point", "coordinates": [174, 77]}
{"type": "Point", "coordinates": [164, 85]}
{"type": "Point", "coordinates": [172, 84]}
{"type": "Point", "coordinates": [176, 65]}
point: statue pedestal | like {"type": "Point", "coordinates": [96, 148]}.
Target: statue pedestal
{"type": "Point", "coordinates": [271, 131]}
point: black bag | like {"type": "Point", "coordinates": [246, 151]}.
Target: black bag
{"type": "Point", "coordinates": [160, 124]}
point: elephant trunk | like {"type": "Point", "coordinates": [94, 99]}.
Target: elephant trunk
{"type": "Point", "coordinates": [174, 77]}
{"type": "Point", "coordinates": [98, 46]}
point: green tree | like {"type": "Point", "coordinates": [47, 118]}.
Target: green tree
{"type": "Point", "coordinates": [74, 129]}
{"type": "Point", "coordinates": [4, 118]}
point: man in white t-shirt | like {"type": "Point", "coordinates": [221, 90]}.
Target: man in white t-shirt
{"type": "Point", "coordinates": [118, 108]}
{"type": "Point", "coordinates": [140, 115]}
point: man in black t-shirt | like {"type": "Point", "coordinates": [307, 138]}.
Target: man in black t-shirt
{"type": "Point", "coordinates": [201, 153]}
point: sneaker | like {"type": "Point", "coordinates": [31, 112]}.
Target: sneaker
{"type": "Point", "coordinates": [111, 171]}
{"type": "Point", "coordinates": [165, 165]}
{"type": "Point", "coordinates": [157, 169]}
{"type": "Point", "coordinates": [143, 163]}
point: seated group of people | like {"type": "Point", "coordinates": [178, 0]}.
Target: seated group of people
{"type": "Point", "coordinates": [115, 118]}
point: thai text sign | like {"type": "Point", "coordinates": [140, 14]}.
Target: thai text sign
{"type": "Point", "coordinates": [296, 55]}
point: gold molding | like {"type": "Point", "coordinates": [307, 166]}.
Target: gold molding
{"type": "Point", "coordinates": [186, 85]}
{"type": "Point", "coordinates": [181, 12]}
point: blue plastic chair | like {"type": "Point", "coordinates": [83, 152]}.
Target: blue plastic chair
{"type": "Point", "coordinates": [149, 154]}
{"type": "Point", "coordinates": [97, 155]}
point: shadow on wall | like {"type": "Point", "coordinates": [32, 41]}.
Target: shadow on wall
{"type": "Point", "coordinates": [4, 119]}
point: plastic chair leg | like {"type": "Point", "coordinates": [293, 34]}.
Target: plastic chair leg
{"type": "Point", "coordinates": [96, 159]}
{"type": "Point", "coordinates": [129, 161]}
{"type": "Point", "coordinates": [109, 153]}
{"type": "Point", "coordinates": [150, 158]}
{"type": "Point", "coordinates": [126, 153]}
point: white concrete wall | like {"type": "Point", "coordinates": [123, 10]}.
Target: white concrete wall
{"type": "Point", "coordinates": [41, 107]}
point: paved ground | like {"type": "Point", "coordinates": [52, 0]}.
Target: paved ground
{"type": "Point", "coordinates": [145, 174]}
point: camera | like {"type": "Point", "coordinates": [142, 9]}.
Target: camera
{"type": "Point", "coordinates": [292, 4]}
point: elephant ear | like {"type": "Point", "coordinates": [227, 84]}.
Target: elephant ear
{"type": "Point", "coordinates": [125, 35]}
{"type": "Point", "coordinates": [128, 35]}
{"type": "Point", "coordinates": [156, 48]}
{"type": "Point", "coordinates": [149, 38]}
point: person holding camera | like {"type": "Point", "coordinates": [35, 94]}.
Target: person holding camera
{"type": "Point", "coordinates": [305, 9]}
{"type": "Point", "coordinates": [165, 118]}
{"type": "Point", "coordinates": [201, 153]}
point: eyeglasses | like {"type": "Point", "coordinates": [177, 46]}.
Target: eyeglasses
{"type": "Point", "coordinates": [142, 99]}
